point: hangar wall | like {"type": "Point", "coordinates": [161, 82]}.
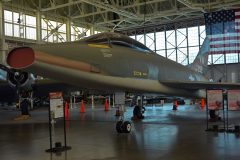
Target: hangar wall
{"type": "Point", "coordinates": [232, 71]}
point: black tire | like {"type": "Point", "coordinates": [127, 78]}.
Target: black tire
{"type": "Point", "coordinates": [126, 127]}
{"type": "Point", "coordinates": [212, 114]}
{"type": "Point", "coordinates": [174, 107]}
{"type": "Point", "coordinates": [119, 126]}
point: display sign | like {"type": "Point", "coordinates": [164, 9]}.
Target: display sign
{"type": "Point", "coordinates": [56, 104]}
{"type": "Point", "coordinates": [55, 95]}
{"type": "Point", "coordinates": [215, 99]}
{"type": "Point", "coordinates": [233, 100]}
{"type": "Point", "coordinates": [119, 98]}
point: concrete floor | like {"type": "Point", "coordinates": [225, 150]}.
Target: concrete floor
{"type": "Point", "coordinates": [163, 134]}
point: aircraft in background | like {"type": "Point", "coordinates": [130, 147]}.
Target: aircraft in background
{"type": "Point", "coordinates": [115, 63]}
{"type": "Point", "coordinates": [3, 75]}
{"type": "Point", "coordinates": [14, 82]}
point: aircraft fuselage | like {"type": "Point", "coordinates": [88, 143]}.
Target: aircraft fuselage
{"type": "Point", "coordinates": [118, 61]}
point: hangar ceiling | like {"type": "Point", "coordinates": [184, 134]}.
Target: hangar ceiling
{"type": "Point", "coordinates": [122, 15]}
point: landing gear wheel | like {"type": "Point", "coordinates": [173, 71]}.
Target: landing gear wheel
{"type": "Point", "coordinates": [212, 114]}
{"type": "Point", "coordinates": [119, 126]}
{"type": "Point", "coordinates": [127, 127]}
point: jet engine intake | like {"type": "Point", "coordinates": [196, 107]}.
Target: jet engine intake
{"type": "Point", "coordinates": [20, 80]}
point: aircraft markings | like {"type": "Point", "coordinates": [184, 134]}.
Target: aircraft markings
{"type": "Point", "coordinates": [98, 46]}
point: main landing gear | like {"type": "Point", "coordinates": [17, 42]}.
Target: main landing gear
{"type": "Point", "coordinates": [123, 126]}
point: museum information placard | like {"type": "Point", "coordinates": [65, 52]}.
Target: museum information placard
{"type": "Point", "coordinates": [56, 104]}
{"type": "Point", "coordinates": [215, 99]}
{"type": "Point", "coordinates": [233, 100]}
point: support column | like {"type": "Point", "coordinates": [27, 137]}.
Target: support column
{"type": "Point", "coordinates": [39, 27]}
{"type": "Point", "coordinates": [113, 100]}
{"type": "Point", "coordinates": [3, 45]}
{"type": "Point", "coordinates": [91, 31]}
{"type": "Point", "coordinates": [71, 101]}
{"type": "Point", "coordinates": [109, 100]}
{"type": "Point", "coordinates": [92, 99]}
{"type": "Point", "coordinates": [68, 30]}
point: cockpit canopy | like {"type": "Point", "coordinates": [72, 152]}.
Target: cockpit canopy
{"type": "Point", "coordinates": [117, 39]}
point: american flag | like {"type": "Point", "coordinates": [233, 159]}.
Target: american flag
{"type": "Point", "coordinates": [223, 31]}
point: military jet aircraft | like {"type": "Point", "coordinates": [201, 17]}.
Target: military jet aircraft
{"type": "Point", "coordinates": [114, 62]}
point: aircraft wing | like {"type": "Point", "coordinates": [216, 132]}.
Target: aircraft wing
{"type": "Point", "coordinates": [201, 85]}
{"type": "Point", "coordinates": [7, 94]}
{"type": "Point", "coordinates": [40, 87]}
{"type": "Point", "coordinates": [43, 86]}
{"type": "Point", "coordinates": [3, 82]}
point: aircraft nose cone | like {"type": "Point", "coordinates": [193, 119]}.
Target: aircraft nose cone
{"type": "Point", "coordinates": [20, 58]}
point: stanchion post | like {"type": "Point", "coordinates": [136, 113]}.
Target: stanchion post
{"type": "Point", "coordinates": [207, 108]}
{"type": "Point", "coordinates": [227, 111]}
{"type": "Point", "coordinates": [109, 100]}
{"type": "Point", "coordinates": [224, 119]}
{"type": "Point", "coordinates": [64, 127]}
{"type": "Point", "coordinates": [50, 127]}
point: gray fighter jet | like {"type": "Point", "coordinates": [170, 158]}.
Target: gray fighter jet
{"type": "Point", "coordinates": [114, 62]}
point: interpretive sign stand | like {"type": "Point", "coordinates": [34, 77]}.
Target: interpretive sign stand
{"type": "Point", "coordinates": [56, 110]}
{"type": "Point", "coordinates": [215, 103]}
{"type": "Point", "coordinates": [233, 104]}
{"type": "Point", "coordinates": [119, 101]}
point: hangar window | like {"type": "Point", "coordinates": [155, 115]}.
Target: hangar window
{"type": "Point", "coordinates": [7, 16]}
{"type": "Point", "coordinates": [53, 31]}
{"type": "Point", "coordinates": [193, 39]}
{"type": "Point", "coordinates": [140, 38]}
{"type": "Point", "coordinates": [96, 32]}
{"type": "Point", "coordinates": [160, 40]}
{"type": "Point", "coordinates": [202, 34]}
{"type": "Point", "coordinates": [30, 21]}
{"type": "Point", "coordinates": [160, 43]}
{"type": "Point", "coordinates": [218, 58]}
{"type": "Point", "coordinates": [133, 37]}
{"type": "Point", "coordinates": [171, 54]}
{"type": "Point", "coordinates": [180, 44]}
{"type": "Point", "coordinates": [232, 58]}
{"type": "Point", "coordinates": [18, 24]}
{"type": "Point", "coordinates": [171, 44]}
{"type": "Point", "coordinates": [182, 56]}
{"type": "Point", "coordinates": [150, 41]}
{"type": "Point", "coordinates": [193, 51]}
{"type": "Point", "coordinates": [161, 52]}
{"type": "Point", "coordinates": [170, 38]}
{"type": "Point", "coordinates": [181, 37]}
{"type": "Point", "coordinates": [8, 29]}
{"type": "Point", "coordinates": [78, 33]}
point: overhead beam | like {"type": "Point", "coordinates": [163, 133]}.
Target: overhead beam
{"type": "Point", "coordinates": [124, 7]}
{"type": "Point", "coordinates": [165, 14]}
{"type": "Point", "coordinates": [192, 6]}
{"type": "Point", "coordinates": [70, 3]}
{"type": "Point", "coordinates": [96, 3]}
{"type": "Point", "coordinates": [143, 3]}
{"type": "Point", "coordinates": [111, 8]}
{"type": "Point", "coordinates": [89, 14]}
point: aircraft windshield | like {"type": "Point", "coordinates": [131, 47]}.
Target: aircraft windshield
{"type": "Point", "coordinates": [117, 39]}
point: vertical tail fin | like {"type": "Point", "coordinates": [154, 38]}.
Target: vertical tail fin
{"type": "Point", "coordinates": [200, 63]}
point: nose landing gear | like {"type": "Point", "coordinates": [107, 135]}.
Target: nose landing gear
{"type": "Point", "coordinates": [123, 126]}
